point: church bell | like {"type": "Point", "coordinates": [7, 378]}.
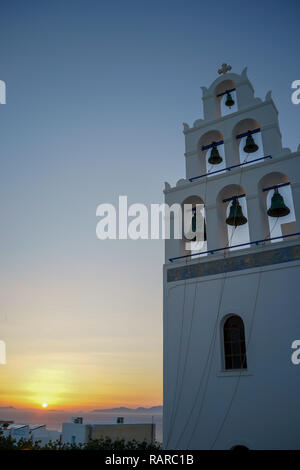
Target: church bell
{"type": "Point", "coordinates": [229, 100]}
{"type": "Point", "coordinates": [236, 216]}
{"type": "Point", "coordinates": [215, 158]}
{"type": "Point", "coordinates": [278, 207]}
{"type": "Point", "coordinates": [250, 146]}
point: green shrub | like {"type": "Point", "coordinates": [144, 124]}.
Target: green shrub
{"type": "Point", "coordinates": [8, 443]}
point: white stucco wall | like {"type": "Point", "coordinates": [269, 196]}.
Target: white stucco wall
{"type": "Point", "coordinates": [79, 431]}
{"type": "Point", "coordinates": [265, 412]}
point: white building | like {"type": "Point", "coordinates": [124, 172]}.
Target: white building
{"type": "Point", "coordinates": [78, 432]}
{"type": "Point", "coordinates": [38, 432]}
{"type": "Point", "coordinates": [16, 431]}
{"type": "Point", "coordinates": [231, 316]}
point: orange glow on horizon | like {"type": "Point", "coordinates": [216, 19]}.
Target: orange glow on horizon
{"type": "Point", "coordinates": [80, 383]}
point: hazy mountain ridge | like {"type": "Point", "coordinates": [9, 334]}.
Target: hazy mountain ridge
{"type": "Point", "coordinates": [124, 409]}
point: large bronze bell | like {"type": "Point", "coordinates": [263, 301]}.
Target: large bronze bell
{"type": "Point", "coordinates": [236, 216]}
{"type": "Point", "coordinates": [250, 146]}
{"type": "Point", "coordinates": [229, 100]}
{"type": "Point", "coordinates": [215, 158]}
{"type": "Point", "coordinates": [278, 207]}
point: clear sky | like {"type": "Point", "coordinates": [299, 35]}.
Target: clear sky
{"type": "Point", "coordinates": [96, 95]}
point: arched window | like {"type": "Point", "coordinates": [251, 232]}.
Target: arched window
{"type": "Point", "coordinates": [206, 165]}
{"type": "Point", "coordinates": [234, 343]}
{"type": "Point", "coordinates": [225, 94]}
{"type": "Point", "coordinates": [242, 149]}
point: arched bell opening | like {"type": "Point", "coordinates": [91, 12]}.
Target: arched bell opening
{"type": "Point", "coordinates": [194, 237]}
{"type": "Point", "coordinates": [225, 94]}
{"type": "Point", "coordinates": [247, 140]}
{"type": "Point", "coordinates": [211, 152]}
{"type": "Point", "coordinates": [232, 217]}
{"type": "Point", "coordinates": [278, 207]}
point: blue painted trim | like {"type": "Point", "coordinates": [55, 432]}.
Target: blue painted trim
{"type": "Point", "coordinates": [225, 92]}
{"type": "Point", "coordinates": [234, 197]}
{"type": "Point", "coordinates": [276, 186]}
{"type": "Point", "coordinates": [206, 147]}
{"type": "Point", "coordinates": [240, 136]}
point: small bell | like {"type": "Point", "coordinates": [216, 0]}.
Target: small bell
{"type": "Point", "coordinates": [250, 146]}
{"type": "Point", "coordinates": [236, 216]}
{"type": "Point", "coordinates": [215, 158]}
{"type": "Point", "coordinates": [229, 100]}
{"type": "Point", "coordinates": [278, 207]}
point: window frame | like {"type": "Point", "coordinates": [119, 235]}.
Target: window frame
{"type": "Point", "coordinates": [233, 370]}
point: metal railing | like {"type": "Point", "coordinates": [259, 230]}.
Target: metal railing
{"type": "Point", "coordinates": [211, 252]}
{"type": "Point", "coordinates": [229, 168]}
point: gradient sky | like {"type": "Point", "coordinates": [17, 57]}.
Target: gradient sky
{"type": "Point", "coordinates": [96, 96]}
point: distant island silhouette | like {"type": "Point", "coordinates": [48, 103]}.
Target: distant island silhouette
{"type": "Point", "coordinates": [124, 409]}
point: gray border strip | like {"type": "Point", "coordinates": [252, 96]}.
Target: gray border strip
{"type": "Point", "coordinates": [236, 263]}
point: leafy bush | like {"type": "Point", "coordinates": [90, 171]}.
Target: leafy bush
{"type": "Point", "coordinates": [8, 443]}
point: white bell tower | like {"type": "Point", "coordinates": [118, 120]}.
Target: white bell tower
{"type": "Point", "coordinates": [231, 309]}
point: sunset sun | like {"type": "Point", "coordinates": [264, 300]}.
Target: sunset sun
{"type": "Point", "coordinates": [44, 405]}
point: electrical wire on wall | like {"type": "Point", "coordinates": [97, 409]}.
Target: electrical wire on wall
{"type": "Point", "coordinates": [209, 356]}
{"type": "Point", "coordinates": [247, 347]}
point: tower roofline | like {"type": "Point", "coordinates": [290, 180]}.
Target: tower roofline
{"type": "Point", "coordinates": [202, 123]}
{"type": "Point", "coordinates": [239, 80]}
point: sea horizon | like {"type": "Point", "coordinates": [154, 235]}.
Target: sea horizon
{"type": "Point", "coordinates": [54, 419]}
